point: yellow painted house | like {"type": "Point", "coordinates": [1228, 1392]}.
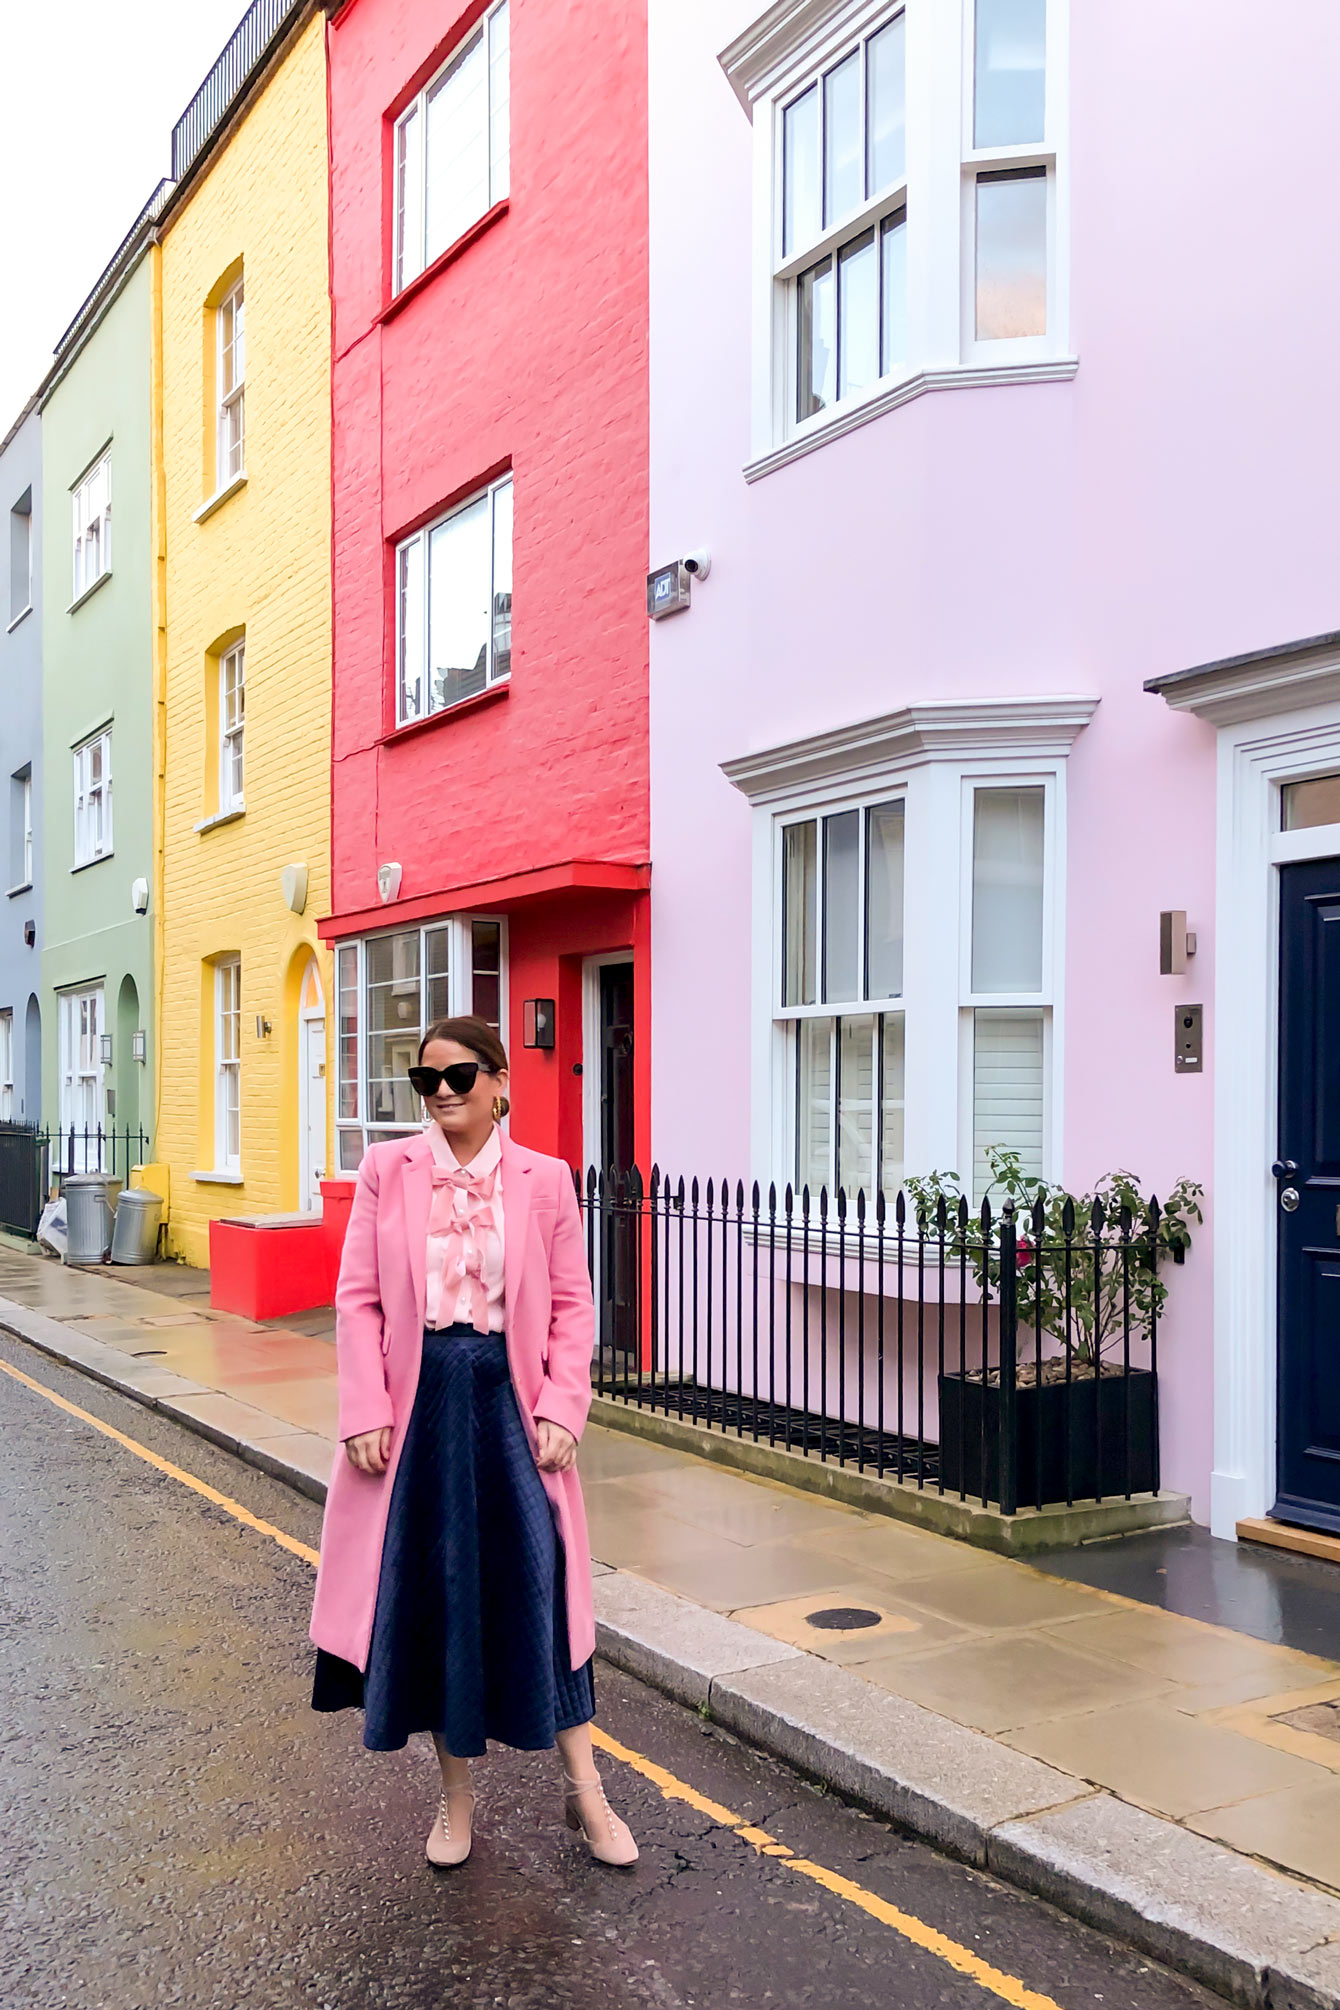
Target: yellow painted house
{"type": "Point", "coordinates": [245, 985]}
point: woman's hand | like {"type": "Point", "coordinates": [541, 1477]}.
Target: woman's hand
{"type": "Point", "coordinates": [370, 1450]}
{"type": "Point", "coordinates": [557, 1447]}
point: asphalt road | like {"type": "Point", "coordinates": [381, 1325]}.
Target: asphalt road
{"type": "Point", "coordinates": [177, 1826]}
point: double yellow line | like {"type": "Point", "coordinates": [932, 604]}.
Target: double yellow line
{"type": "Point", "coordinates": [1008, 1988]}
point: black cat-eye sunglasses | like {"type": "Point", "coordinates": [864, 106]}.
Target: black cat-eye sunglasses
{"type": "Point", "coordinates": [459, 1078]}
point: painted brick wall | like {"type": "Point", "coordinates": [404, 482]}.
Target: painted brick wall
{"type": "Point", "coordinates": [260, 562]}
{"type": "Point", "coordinates": [529, 348]}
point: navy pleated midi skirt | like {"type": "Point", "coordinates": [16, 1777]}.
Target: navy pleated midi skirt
{"type": "Point", "coordinates": [470, 1631]}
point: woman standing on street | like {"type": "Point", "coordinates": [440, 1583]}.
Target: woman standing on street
{"type": "Point", "coordinates": [454, 1589]}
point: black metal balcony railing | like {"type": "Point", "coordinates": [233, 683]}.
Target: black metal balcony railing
{"type": "Point", "coordinates": [961, 1353]}
{"type": "Point", "coordinates": [207, 109]}
{"type": "Point", "coordinates": [33, 1160]}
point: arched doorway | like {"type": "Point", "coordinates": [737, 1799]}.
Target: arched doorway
{"type": "Point", "coordinates": [30, 1102]}
{"type": "Point", "coordinates": [126, 1116]}
{"type": "Point", "coordinates": [311, 1088]}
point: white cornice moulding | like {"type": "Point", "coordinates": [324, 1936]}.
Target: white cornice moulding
{"type": "Point", "coordinates": [959, 729]}
{"type": "Point", "coordinates": [790, 39]}
{"type": "Point", "coordinates": [1291, 678]}
{"type": "Point", "coordinates": [956, 377]}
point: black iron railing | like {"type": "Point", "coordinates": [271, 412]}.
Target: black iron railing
{"type": "Point", "coordinates": [971, 1354]}
{"type": "Point", "coordinates": [34, 1161]}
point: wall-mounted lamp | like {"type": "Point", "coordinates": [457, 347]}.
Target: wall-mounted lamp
{"type": "Point", "coordinates": [1176, 942]}
{"type": "Point", "coordinates": [29, 933]}
{"type": "Point", "coordinates": [537, 1022]}
{"type": "Point", "coordinates": [263, 1027]}
{"type": "Point", "coordinates": [139, 1046]}
{"type": "Point", "coordinates": [139, 895]}
{"type": "Point", "coordinates": [293, 884]}
{"type": "Point", "coordinates": [105, 1048]}
{"type": "Point", "coordinates": [388, 880]}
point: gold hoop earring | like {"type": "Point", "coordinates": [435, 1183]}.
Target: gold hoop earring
{"type": "Point", "coordinates": [500, 1108]}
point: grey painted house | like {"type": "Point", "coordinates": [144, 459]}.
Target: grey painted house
{"type": "Point", "coordinates": [21, 1029]}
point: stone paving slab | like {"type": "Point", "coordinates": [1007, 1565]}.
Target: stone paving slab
{"type": "Point", "coordinates": [678, 1647]}
{"type": "Point", "coordinates": [940, 1781]}
{"type": "Point", "coordinates": [1187, 1901]}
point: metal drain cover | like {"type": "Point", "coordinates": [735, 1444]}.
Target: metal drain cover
{"type": "Point", "coordinates": [843, 1618]}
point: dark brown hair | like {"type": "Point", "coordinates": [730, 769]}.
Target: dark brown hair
{"type": "Point", "coordinates": [468, 1031]}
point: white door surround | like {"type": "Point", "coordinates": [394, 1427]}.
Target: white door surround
{"type": "Point", "coordinates": [593, 1054]}
{"type": "Point", "coordinates": [1278, 720]}
{"type": "Point", "coordinates": [311, 1091]}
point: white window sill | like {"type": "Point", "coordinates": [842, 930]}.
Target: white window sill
{"type": "Point", "coordinates": [24, 886]}
{"type": "Point", "coordinates": [22, 615]}
{"type": "Point", "coordinates": [83, 864]}
{"type": "Point", "coordinates": [218, 1178]}
{"type": "Point", "coordinates": [89, 591]}
{"type": "Point", "coordinates": [220, 497]}
{"type": "Point", "coordinates": [223, 817]}
{"type": "Point", "coordinates": [960, 377]}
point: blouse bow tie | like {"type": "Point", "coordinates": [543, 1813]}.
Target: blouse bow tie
{"type": "Point", "coordinates": [462, 1212]}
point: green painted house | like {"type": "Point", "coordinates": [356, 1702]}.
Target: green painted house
{"type": "Point", "coordinates": [102, 630]}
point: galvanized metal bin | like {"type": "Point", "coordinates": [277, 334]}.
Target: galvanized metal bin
{"type": "Point", "coordinates": [135, 1236]}
{"type": "Point", "coordinates": [90, 1205]}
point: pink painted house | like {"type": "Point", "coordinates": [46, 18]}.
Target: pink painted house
{"type": "Point", "coordinates": [1002, 410]}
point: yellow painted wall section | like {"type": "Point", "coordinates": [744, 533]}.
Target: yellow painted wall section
{"type": "Point", "coordinates": [258, 565]}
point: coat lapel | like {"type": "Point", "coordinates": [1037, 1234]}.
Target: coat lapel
{"type": "Point", "coordinates": [516, 1220]}
{"type": "Point", "coordinates": [418, 1204]}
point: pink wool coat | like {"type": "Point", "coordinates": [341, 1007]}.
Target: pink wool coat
{"type": "Point", "coordinates": [379, 1301]}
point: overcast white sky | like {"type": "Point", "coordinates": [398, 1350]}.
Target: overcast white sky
{"type": "Point", "coordinates": [88, 98]}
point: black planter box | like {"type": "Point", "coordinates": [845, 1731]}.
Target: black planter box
{"type": "Point", "coordinates": [1072, 1468]}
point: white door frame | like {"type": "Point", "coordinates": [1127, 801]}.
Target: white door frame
{"type": "Point", "coordinates": [593, 1053]}
{"type": "Point", "coordinates": [309, 1193]}
{"type": "Point", "coordinates": [67, 1040]}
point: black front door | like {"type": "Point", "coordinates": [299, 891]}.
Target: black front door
{"type": "Point", "coordinates": [618, 1252]}
{"type": "Point", "coordinates": [1307, 1181]}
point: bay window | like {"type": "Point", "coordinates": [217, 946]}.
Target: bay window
{"type": "Point", "coordinates": [451, 148]}
{"type": "Point", "coordinates": [454, 606]}
{"type": "Point", "coordinates": [390, 988]}
{"type": "Point", "coordinates": [909, 884]}
{"type": "Point", "coordinates": [1007, 1000]}
{"type": "Point", "coordinates": [839, 1014]}
{"type": "Point", "coordinates": [895, 252]}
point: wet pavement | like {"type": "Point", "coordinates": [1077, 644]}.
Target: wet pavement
{"type": "Point", "coordinates": [177, 1827]}
{"type": "Point", "coordinates": [1290, 1601]}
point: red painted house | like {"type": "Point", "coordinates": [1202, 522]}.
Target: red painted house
{"type": "Point", "coordinates": [489, 792]}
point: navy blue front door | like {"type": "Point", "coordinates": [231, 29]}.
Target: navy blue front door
{"type": "Point", "coordinates": [1307, 1182]}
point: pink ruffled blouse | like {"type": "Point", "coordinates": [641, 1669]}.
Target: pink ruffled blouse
{"type": "Point", "coordinates": [464, 1274]}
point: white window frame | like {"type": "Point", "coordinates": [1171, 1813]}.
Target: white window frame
{"type": "Point", "coordinates": [27, 815]}
{"type": "Point", "coordinates": [1051, 780]}
{"type": "Point", "coordinates": [7, 1066]}
{"type": "Point", "coordinates": [91, 527]}
{"type": "Point", "coordinates": [930, 755]}
{"type": "Point", "coordinates": [232, 724]}
{"type": "Point", "coordinates": [787, 1018]}
{"type": "Point", "coordinates": [82, 1020]}
{"type": "Point", "coordinates": [21, 591]}
{"type": "Point", "coordinates": [354, 1132]}
{"type": "Point", "coordinates": [230, 342]}
{"type": "Point", "coordinates": [227, 1067]}
{"type": "Point", "coordinates": [770, 69]}
{"type": "Point", "coordinates": [405, 604]}
{"type": "Point", "coordinates": [90, 846]}
{"type": "Point", "coordinates": [411, 167]}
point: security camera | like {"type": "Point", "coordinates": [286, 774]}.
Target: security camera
{"type": "Point", "coordinates": [698, 564]}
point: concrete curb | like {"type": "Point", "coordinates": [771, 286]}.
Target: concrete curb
{"type": "Point", "coordinates": [1255, 1935]}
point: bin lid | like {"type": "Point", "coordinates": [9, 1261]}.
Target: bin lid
{"type": "Point", "coordinates": [140, 1197]}
{"type": "Point", "coordinates": [92, 1179]}
{"type": "Point", "coordinates": [310, 1220]}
